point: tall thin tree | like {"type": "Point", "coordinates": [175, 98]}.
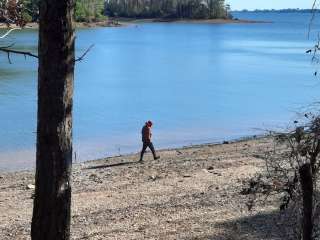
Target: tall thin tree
{"type": "Point", "coordinates": [52, 203]}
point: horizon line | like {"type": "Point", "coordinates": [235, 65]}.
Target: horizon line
{"type": "Point", "coordinates": [273, 9]}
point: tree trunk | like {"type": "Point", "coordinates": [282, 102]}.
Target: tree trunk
{"type": "Point", "coordinates": [52, 203]}
{"type": "Point", "coordinates": [305, 172]}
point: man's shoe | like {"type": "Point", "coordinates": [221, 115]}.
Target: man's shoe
{"type": "Point", "coordinates": [157, 157]}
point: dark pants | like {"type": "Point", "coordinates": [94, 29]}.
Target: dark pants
{"type": "Point", "coordinates": [144, 147]}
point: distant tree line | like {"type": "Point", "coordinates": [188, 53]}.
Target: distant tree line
{"type": "Point", "coordinates": [97, 10]}
{"type": "Point", "coordinates": [195, 9]}
{"type": "Point", "coordinates": [85, 10]}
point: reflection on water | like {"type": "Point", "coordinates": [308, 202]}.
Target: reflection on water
{"type": "Point", "coordinates": [197, 82]}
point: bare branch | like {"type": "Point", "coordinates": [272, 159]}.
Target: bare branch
{"type": "Point", "coordinates": [79, 59]}
{"type": "Point", "coordinates": [2, 14]}
{"type": "Point", "coordinates": [8, 32]}
{"type": "Point", "coordinates": [9, 51]}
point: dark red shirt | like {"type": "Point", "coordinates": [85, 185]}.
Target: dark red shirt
{"type": "Point", "coordinates": [146, 134]}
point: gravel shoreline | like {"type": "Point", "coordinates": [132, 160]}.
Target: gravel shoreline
{"type": "Point", "coordinates": [190, 193]}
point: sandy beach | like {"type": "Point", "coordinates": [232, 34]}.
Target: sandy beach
{"type": "Point", "coordinates": [190, 193]}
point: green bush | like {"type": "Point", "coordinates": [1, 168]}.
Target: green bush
{"type": "Point", "coordinates": [26, 17]}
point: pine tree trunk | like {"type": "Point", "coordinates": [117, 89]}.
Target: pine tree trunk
{"type": "Point", "coordinates": [307, 194]}
{"type": "Point", "coordinates": [52, 203]}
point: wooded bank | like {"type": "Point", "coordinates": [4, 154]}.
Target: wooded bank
{"type": "Point", "coordinates": [193, 9]}
{"type": "Point", "coordinates": [99, 10]}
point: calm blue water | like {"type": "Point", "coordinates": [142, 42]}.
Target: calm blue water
{"type": "Point", "coordinates": [197, 82]}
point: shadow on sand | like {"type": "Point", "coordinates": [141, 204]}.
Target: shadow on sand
{"type": "Point", "coordinates": [264, 226]}
{"type": "Point", "coordinates": [112, 165]}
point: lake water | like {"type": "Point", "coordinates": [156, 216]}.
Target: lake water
{"type": "Point", "coordinates": [198, 82]}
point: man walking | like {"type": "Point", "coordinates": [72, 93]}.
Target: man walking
{"type": "Point", "coordinates": [146, 140]}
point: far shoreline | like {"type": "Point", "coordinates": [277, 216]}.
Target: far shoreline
{"type": "Point", "coordinates": [183, 20]}
{"type": "Point", "coordinates": [122, 22]}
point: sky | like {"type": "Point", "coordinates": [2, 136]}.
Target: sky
{"type": "Point", "coordinates": [269, 4]}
